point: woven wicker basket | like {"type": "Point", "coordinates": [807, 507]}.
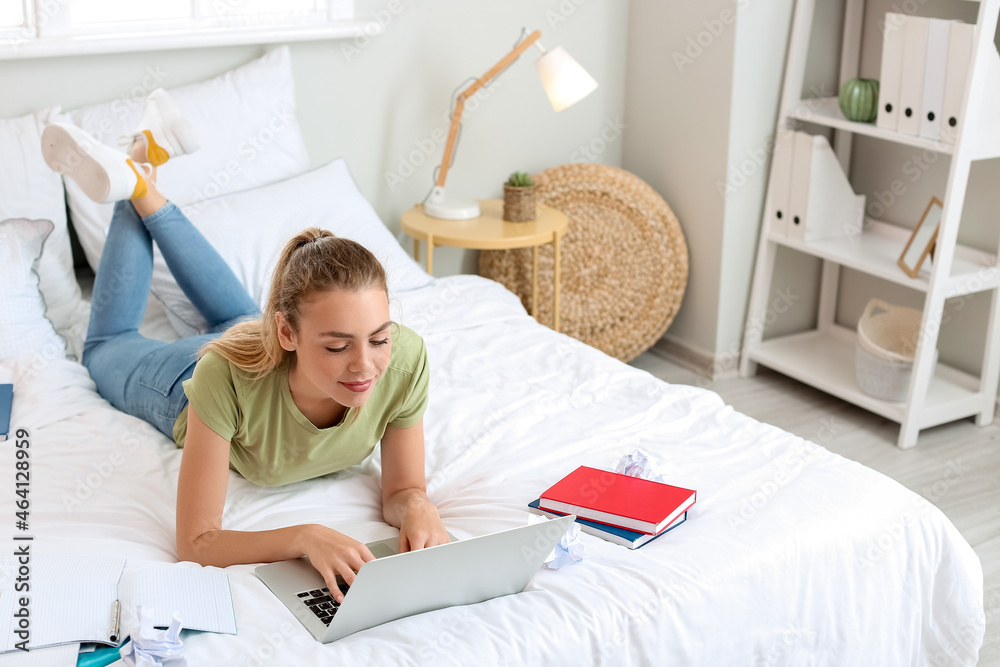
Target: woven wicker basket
{"type": "Point", "coordinates": [889, 331]}
{"type": "Point", "coordinates": [624, 262]}
{"type": "Point", "coordinates": [519, 203]}
{"type": "Point", "coordinates": [887, 344]}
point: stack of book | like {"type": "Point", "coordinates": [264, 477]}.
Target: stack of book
{"type": "Point", "coordinates": [6, 402]}
{"type": "Point", "coordinates": [625, 510]}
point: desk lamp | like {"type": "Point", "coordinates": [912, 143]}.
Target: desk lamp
{"type": "Point", "coordinates": [565, 82]}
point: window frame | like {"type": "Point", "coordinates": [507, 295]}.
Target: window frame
{"type": "Point", "coordinates": [48, 32]}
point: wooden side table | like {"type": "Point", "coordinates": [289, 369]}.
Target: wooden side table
{"type": "Point", "coordinates": [491, 232]}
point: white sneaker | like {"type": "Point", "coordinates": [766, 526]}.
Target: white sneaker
{"type": "Point", "coordinates": [163, 132]}
{"type": "Point", "coordinates": [104, 174]}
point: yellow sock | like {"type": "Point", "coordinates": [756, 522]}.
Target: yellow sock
{"type": "Point", "coordinates": [155, 154]}
{"type": "Point", "coordinates": [140, 187]}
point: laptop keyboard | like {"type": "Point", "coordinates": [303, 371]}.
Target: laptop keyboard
{"type": "Point", "coordinates": [321, 603]}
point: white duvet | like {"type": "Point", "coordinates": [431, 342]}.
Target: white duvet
{"type": "Point", "coordinates": [791, 556]}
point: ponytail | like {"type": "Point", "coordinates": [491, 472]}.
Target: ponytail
{"type": "Point", "coordinates": [313, 261]}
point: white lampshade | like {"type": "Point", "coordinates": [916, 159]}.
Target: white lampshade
{"type": "Point", "coordinates": [565, 81]}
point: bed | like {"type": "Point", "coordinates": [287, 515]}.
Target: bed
{"type": "Point", "coordinates": [791, 556]}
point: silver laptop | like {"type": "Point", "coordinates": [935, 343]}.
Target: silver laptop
{"type": "Point", "coordinates": [396, 585]}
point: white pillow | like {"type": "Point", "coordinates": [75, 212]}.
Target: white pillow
{"type": "Point", "coordinates": [29, 189]}
{"type": "Point", "coordinates": [245, 121]}
{"type": "Point", "coordinates": [25, 328]}
{"type": "Point", "coordinates": [250, 229]}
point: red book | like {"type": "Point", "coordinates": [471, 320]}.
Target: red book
{"type": "Point", "coordinates": [617, 500]}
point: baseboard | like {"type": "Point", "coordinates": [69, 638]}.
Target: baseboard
{"type": "Point", "coordinates": [708, 365]}
{"type": "Point", "coordinates": [702, 362]}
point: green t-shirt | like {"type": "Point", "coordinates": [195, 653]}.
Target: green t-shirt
{"type": "Point", "coordinates": [272, 443]}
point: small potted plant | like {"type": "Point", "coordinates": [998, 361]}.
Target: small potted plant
{"type": "Point", "coordinates": [519, 198]}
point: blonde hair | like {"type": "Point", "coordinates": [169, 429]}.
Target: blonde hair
{"type": "Point", "coordinates": [313, 261]}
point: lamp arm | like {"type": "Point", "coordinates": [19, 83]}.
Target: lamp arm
{"type": "Point", "coordinates": [456, 116]}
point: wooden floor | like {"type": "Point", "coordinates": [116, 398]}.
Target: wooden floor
{"type": "Point", "coordinates": [956, 466]}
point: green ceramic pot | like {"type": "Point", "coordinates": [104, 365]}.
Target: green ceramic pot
{"type": "Point", "coordinates": [859, 100]}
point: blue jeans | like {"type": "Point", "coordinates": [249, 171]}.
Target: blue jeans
{"type": "Point", "coordinates": [136, 374]}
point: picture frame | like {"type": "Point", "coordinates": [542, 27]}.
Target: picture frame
{"type": "Point", "coordinates": [922, 240]}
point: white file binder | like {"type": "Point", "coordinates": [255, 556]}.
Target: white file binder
{"type": "Point", "coordinates": [935, 67]}
{"type": "Point", "coordinates": [798, 197]}
{"type": "Point", "coordinates": [956, 75]}
{"type": "Point", "coordinates": [778, 219]}
{"type": "Point", "coordinates": [892, 71]}
{"type": "Point", "coordinates": [823, 204]}
{"type": "Point", "coordinates": [911, 85]}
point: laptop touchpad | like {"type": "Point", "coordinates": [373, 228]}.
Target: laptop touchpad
{"type": "Point", "coordinates": [390, 547]}
{"type": "Point", "coordinates": [383, 548]}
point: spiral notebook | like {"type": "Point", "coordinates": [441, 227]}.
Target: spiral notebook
{"type": "Point", "coordinates": [74, 600]}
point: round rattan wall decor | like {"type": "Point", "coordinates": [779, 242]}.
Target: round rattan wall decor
{"type": "Point", "coordinates": [623, 262]}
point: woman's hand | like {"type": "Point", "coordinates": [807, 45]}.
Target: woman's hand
{"type": "Point", "coordinates": [404, 490]}
{"type": "Point", "coordinates": [421, 526]}
{"type": "Point", "coordinates": [201, 498]}
{"type": "Point", "coordinates": [333, 553]}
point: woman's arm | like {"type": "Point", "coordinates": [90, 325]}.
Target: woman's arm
{"type": "Point", "coordinates": [201, 498]}
{"type": "Point", "coordinates": [404, 489]}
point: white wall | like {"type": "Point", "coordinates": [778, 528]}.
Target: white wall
{"type": "Point", "coordinates": [677, 109]}
{"type": "Point", "coordinates": [704, 83]}
{"type": "Point", "coordinates": [377, 101]}
{"type": "Point", "coordinates": [758, 61]}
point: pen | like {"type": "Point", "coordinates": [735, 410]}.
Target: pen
{"type": "Point", "coordinates": [115, 618]}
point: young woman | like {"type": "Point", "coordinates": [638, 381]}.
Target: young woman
{"type": "Point", "coordinates": [306, 388]}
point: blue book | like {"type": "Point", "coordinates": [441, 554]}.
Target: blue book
{"type": "Point", "coordinates": [6, 401]}
{"type": "Point", "coordinates": [622, 536]}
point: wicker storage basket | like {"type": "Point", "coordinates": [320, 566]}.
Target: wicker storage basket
{"type": "Point", "coordinates": [624, 262]}
{"type": "Point", "coordinates": [519, 203]}
{"type": "Point", "coordinates": [887, 344]}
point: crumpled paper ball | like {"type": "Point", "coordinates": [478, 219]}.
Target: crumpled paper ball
{"type": "Point", "coordinates": [569, 549]}
{"type": "Point", "coordinates": [149, 647]}
{"type": "Point", "coordinates": [638, 464]}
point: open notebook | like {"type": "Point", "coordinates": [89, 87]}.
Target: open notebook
{"type": "Point", "coordinates": [73, 600]}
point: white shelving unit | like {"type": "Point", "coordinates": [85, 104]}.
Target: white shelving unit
{"type": "Point", "coordinates": [826, 111]}
{"type": "Point", "coordinates": [824, 357]}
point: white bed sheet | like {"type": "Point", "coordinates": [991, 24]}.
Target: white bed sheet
{"type": "Point", "coordinates": [791, 556]}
